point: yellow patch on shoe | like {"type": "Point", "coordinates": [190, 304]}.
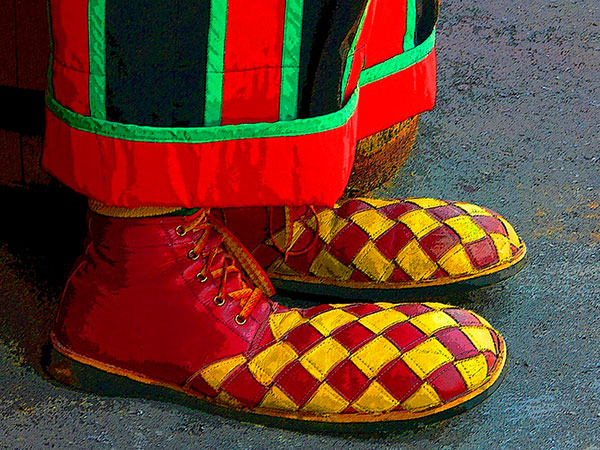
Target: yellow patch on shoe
{"type": "Point", "coordinates": [270, 361]}
{"type": "Point", "coordinates": [423, 398]}
{"type": "Point", "coordinates": [372, 263]}
{"type": "Point", "coordinates": [502, 245]}
{"type": "Point", "coordinates": [321, 359]}
{"type": "Point", "coordinates": [326, 401]}
{"type": "Point", "coordinates": [297, 231]}
{"type": "Point", "coordinates": [328, 321]}
{"type": "Point", "coordinates": [375, 399]}
{"type": "Point", "coordinates": [281, 323]}
{"type": "Point", "coordinates": [216, 373]}
{"type": "Point", "coordinates": [275, 398]}
{"type": "Point", "coordinates": [481, 338]}
{"type": "Point", "coordinates": [372, 222]}
{"type": "Point", "coordinates": [328, 266]}
{"type": "Point", "coordinates": [436, 305]}
{"type": "Point", "coordinates": [426, 202]}
{"type": "Point", "coordinates": [377, 202]}
{"type": "Point", "coordinates": [466, 228]}
{"type": "Point", "coordinates": [433, 321]}
{"type": "Point", "coordinates": [223, 398]}
{"type": "Point", "coordinates": [472, 210]}
{"type": "Point", "coordinates": [371, 357]}
{"type": "Point", "coordinates": [456, 262]}
{"type": "Point", "coordinates": [419, 222]}
{"type": "Point", "coordinates": [281, 268]}
{"type": "Point", "coordinates": [330, 224]}
{"type": "Point", "coordinates": [473, 370]}
{"type": "Point", "coordinates": [512, 235]}
{"type": "Point", "coordinates": [427, 357]}
{"type": "Point", "coordinates": [415, 262]}
{"type": "Point", "coordinates": [379, 321]}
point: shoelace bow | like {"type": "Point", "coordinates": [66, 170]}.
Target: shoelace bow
{"type": "Point", "coordinates": [247, 296]}
{"type": "Point", "coordinates": [289, 233]}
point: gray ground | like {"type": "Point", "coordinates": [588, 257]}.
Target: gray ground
{"type": "Point", "coordinates": [516, 129]}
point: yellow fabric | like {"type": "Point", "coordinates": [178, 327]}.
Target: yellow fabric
{"type": "Point", "coordinates": [280, 238]}
{"type": "Point", "coordinates": [216, 373]}
{"type": "Point", "coordinates": [375, 399]}
{"type": "Point", "coordinates": [321, 359]}
{"type": "Point", "coordinates": [427, 357]}
{"type": "Point", "coordinates": [372, 222]}
{"type": "Point", "coordinates": [456, 262]}
{"type": "Point", "coordinates": [329, 224]}
{"type": "Point", "coordinates": [512, 235]}
{"type": "Point", "coordinates": [433, 321]}
{"type": "Point", "coordinates": [427, 202]}
{"type": "Point", "coordinates": [374, 355]}
{"type": "Point", "coordinates": [372, 263]}
{"type": "Point", "coordinates": [415, 262]}
{"type": "Point", "coordinates": [502, 245]}
{"type": "Point", "coordinates": [328, 321]}
{"type": "Point", "coordinates": [466, 228]}
{"type": "Point", "coordinates": [282, 323]}
{"type": "Point", "coordinates": [383, 319]}
{"type": "Point", "coordinates": [473, 210]}
{"type": "Point", "coordinates": [270, 361]}
{"type": "Point", "coordinates": [275, 398]}
{"type": "Point", "coordinates": [473, 370]}
{"type": "Point", "coordinates": [377, 202]}
{"type": "Point", "coordinates": [481, 338]}
{"type": "Point", "coordinates": [423, 398]}
{"type": "Point", "coordinates": [328, 266]}
{"type": "Point", "coordinates": [419, 222]}
{"type": "Point", "coordinates": [326, 401]}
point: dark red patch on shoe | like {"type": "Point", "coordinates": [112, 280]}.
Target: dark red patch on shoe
{"type": "Point", "coordinates": [439, 241]}
{"type": "Point", "coordinates": [412, 309]}
{"type": "Point", "coordinates": [490, 224]}
{"type": "Point", "coordinates": [243, 387]}
{"type": "Point", "coordinates": [351, 207]}
{"type": "Point", "coordinates": [442, 213]}
{"type": "Point", "coordinates": [357, 275]}
{"type": "Point", "coordinates": [297, 383]}
{"type": "Point", "coordinates": [482, 252]}
{"type": "Point", "coordinates": [315, 310]}
{"type": "Point", "coordinates": [394, 240]}
{"type": "Point", "coordinates": [348, 380]}
{"type": "Point", "coordinates": [303, 337]}
{"type": "Point", "coordinates": [457, 342]}
{"type": "Point", "coordinates": [399, 276]}
{"type": "Point", "coordinates": [440, 273]}
{"type": "Point", "coordinates": [346, 244]}
{"type": "Point", "coordinates": [491, 360]}
{"type": "Point", "coordinates": [405, 336]}
{"type": "Point", "coordinates": [399, 380]}
{"type": "Point", "coordinates": [448, 382]}
{"type": "Point", "coordinates": [463, 317]}
{"type": "Point", "coordinates": [362, 309]}
{"type": "Point", "coordinates": [353, 335]}
{"type": "Point", "coordinates": [397, 209]}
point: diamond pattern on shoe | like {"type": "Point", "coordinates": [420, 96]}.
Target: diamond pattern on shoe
{"type": "Point", "coordinates": [370, 358]}
{"type": "Point", "coordinates": [410, 240]}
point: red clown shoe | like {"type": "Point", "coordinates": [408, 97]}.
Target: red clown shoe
{"type": "Point", "coordinates": [174, 305]}
{"type": "Point", "coordinates": [380, 249]}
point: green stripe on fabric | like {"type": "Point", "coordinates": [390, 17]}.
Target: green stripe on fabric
{"type": "Point", "coordinates": [398, 62]}
{"type": "Point", "coordinates": [411, 25]}
{"type": "Point", "coordinates": [215, 57]}
{"type": "Point", "coordinates": [350, 58]}
{"type": "Point", "coordinates": [290, 60]}
{"type": "Point", "coordinates": [97, 49]}
{"type": "Point", "coordinates": [201, 135]}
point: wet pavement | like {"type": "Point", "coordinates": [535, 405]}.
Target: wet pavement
{"type": "Point", "coordinates": [515, 128]}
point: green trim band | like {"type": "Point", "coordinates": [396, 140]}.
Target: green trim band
{"type": "Point", "coordinates": [350, 58]}
{"type": "Point", "coordinates": [215, 57]}
{"type": "Point", "coordinates": [202, 135]}
{"type": "Point", "coordinates": [290, 60]}
{"type": "Point", "coordinates": [398, 62]}
{"type": "Point", "coordinates": [411, 25]}
{"type": "Point", "coordinates": [97, 49]}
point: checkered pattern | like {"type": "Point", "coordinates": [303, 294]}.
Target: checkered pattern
{"type": "Point", "coordinates": [370, 358]}
{"type": "Point", "coordinates": [372, 240]}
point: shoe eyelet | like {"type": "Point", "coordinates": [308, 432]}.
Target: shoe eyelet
{"type": "Point", "coordinates": [180, 231]}
{"type": "Point", "coordinates": [193, 255]}
{"type": "Point", "coordinates": [240, 320]}
{"type": "Point", "coordinates": [201, 278]}
{"type": "Point", "coordinates": [218, 301]}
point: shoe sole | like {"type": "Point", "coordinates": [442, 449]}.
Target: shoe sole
{"type": "Point", "coordinates": [85, 374]}
{"type": "Point", "coordinates": [310, 287]}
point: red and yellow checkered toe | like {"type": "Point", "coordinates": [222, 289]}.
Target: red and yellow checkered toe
{"type": "Point", "coordinates": [393, 243]}
{"type": "Point", "coordinates": [362, 362]}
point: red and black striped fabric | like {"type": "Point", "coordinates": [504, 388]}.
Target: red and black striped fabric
{"type": "Point", "coordinates": [228, 102]}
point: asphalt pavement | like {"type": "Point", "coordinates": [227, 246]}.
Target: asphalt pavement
{"type": "Point", "coordinates": [515, 128]}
